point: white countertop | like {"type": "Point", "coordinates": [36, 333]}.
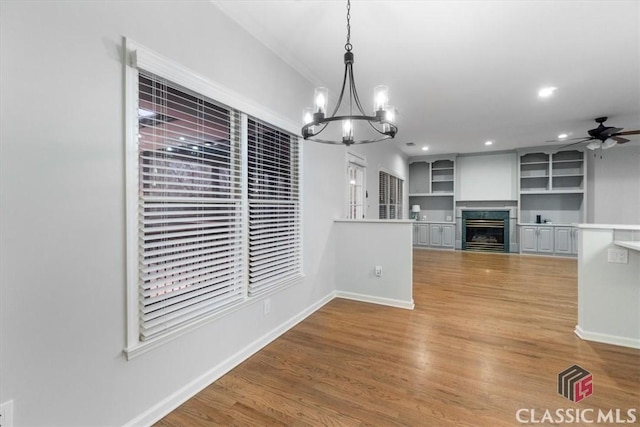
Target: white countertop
{"type": "Point", "coordinates": [434, 222]}
{"type": "Point", "coordinates": [374, 221]}
{"type": "Point", "coordinates": [548, 224]}
{"type": "Point", "coordinates": [610, 226]}
{"type": "Point", "coordinates": [629, 244]}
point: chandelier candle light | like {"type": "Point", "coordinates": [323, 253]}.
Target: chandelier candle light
{"type": "Point", "coordinates": [382, 122]}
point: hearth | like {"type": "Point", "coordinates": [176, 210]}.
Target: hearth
{"type": "Point", "coordinates": [486, 231]}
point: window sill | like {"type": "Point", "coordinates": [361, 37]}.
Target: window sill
{"type": "Point", "coordinates": [143, 347]}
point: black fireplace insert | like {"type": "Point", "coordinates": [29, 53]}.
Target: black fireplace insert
{"type": "Point", "coordinates": [486, 231]}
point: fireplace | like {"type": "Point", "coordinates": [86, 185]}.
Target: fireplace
{"type": "Point", "coordinates": [486, 231]}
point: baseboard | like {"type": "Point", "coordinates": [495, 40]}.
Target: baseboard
{"type": "Point", "coordinates": [165, 406]}
{"type": "Point", "coordinates": [409, 305]}
{"type": "Point", "coordinates": [606, 338]}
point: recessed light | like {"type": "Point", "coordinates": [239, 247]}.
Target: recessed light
{"type": "Point", "coordinates": [546, 92]}
{"type": "Point", "coordinates": [182, 138]}
{"type": "Point", "coordinates": [194, 147]}
{"type": "Point", "coordinates": [169, 149]}
{"type": "Point", "coordinates": [562, 136]}
{"type": "Point", "coordinates": [425, 148]}
{"type": "Point", "coordinates": [488, 143]}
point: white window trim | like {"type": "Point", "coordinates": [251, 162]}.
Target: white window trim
{"type": "Point", "coordinates": [137, 56]}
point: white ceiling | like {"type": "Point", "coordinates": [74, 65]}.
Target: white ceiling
{"type": "Point", "coordinates": [463, 72]}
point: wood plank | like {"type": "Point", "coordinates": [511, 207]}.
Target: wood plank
{"type": "Point", "coordinates": [488, 336]}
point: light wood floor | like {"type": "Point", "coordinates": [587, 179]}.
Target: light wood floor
{"type": "Point", "coordinates": [488, 336]}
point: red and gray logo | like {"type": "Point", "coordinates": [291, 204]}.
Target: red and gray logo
{"type": "Point", "coordinates": [575, 383]}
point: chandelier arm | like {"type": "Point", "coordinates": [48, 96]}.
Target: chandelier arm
{"type": "Point", "coordinates": [344, 82]}
{"type": "Point", "coordinates": [306, 134]}
{"type": "Point", "coordinates": [376, 129]}
{"type": "Point", "coordinates": [355, 92]}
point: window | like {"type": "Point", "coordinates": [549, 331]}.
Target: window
{"type": "Point", "coordinates": [274, 207]}
{"type": "Point", "coordinates": [213, 201]}
{"type": "Point", "coordinates": [391, 196]}
{"type": "Point", "coordinates": [190, 254]}
{"type": "Point", "coordinates": [356, 200]}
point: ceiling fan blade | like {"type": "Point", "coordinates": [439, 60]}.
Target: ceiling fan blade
{"type": "Point", "coordinates": [619, 140]}
{"type": "Point", "coordinates": [629, 132]}
{"type": "Point", "coordinates": [606, 133]}
{"type": "Point", "coordinates": [567, 139]}
{"type": "Point", "coordinates": [576, 143]}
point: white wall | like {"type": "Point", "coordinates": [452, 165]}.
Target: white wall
{"type": "Point", "coordinates": [486, 177]}
{"type": "Point", "coordinates": [614, 186]}
{"type": "Point", "coordinates": [381, 156]}
{"type": "Point", "coordinates": [62, 275]}
{"type": "Point", "coordinates": [608, 293]}
{"type": "Point", "coordinates": [363, 245]}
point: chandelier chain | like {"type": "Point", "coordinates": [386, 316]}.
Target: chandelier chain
{"type": "Point", "coordinates": [348, 46]}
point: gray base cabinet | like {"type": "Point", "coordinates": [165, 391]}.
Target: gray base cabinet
{"type": "Point", "coordinates": [434, 235]}
{"type": "Point", "coordinates": [421, 234]}
{"type": "Point", "coordinates": [566, 241]}
{"type": "Point", "coordinates": [549, 240]}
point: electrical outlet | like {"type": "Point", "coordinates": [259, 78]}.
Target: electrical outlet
{"type": "Point", "coordinates": [618, 256]}
{"type": "Point", "coordinates": [378, 271]}
{"type": "Point", "coordinates": [6, 414]}
{"type": "Point", "coordinates": [266, 306]}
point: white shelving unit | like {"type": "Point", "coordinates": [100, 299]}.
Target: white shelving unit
{"type": "Point", "coordinates": [432, 186]}
{"type": "Point", "coordinates": [552, 185]}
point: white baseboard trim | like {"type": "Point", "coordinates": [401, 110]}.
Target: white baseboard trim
{"type": "Point", "coordinates": [165, 406]}
{"type": "Point", "coordinates": [606, 338]}
{"type": "Point", "coordinates": [409, 305]}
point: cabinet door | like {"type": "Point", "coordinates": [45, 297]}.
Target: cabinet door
{"type": "Point", "coordinates": [545, 239]}
{"type": "Point", "coordinates": [435, 234]}
{"type": "Point", "coordinates": [447, 235]}
{"type": "Point", "coordinates": [415, 234]}
{"type": "Point", "coordinates": [574, 241]}
{"type": "Point", "coordinates": [529, 239]}
{"type": "Point", "coordinates": [423, 234]}
{"type": "Point", "coordinates": [563, 240]}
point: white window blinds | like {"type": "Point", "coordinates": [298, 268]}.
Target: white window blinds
{"type": "Point", "coordinates": [189, 206]}
{"type": "Point", "coordinates": [274, 207]}
{"type": "Point", "coordinates": [391, 195]}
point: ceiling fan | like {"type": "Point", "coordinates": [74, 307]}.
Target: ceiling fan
{"type": "Point", "coordinates": [603, 137]}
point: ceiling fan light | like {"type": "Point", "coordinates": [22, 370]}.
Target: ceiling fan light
{"type": "Point", "coordinates": [593, 145]}
{"type": "Point", "coordinates": [608, 144]}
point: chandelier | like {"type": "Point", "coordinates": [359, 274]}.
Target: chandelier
{"type": "Point", "coordinates": [382, 122]}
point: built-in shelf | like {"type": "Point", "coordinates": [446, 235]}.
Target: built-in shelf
{"type": "Point", "coordinates": [552, 185]}
{"type": "Point", "coordinates": [432, 187]}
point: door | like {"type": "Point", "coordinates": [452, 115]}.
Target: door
{"type": "Point", "coordinates": [447, 235]}
{"type": "Point", "coordinates": [563, 240]}
{"type": "Point", "coordinates": [435, 235]}
{"type": "Point", "coordinates": [545, 239]}
{"type": "Point", "coordinates": [529, 239]}
{"type": "Point", "coordinates": [423, 234]}
{"type": "Point", "coordinates": [575, 233]}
